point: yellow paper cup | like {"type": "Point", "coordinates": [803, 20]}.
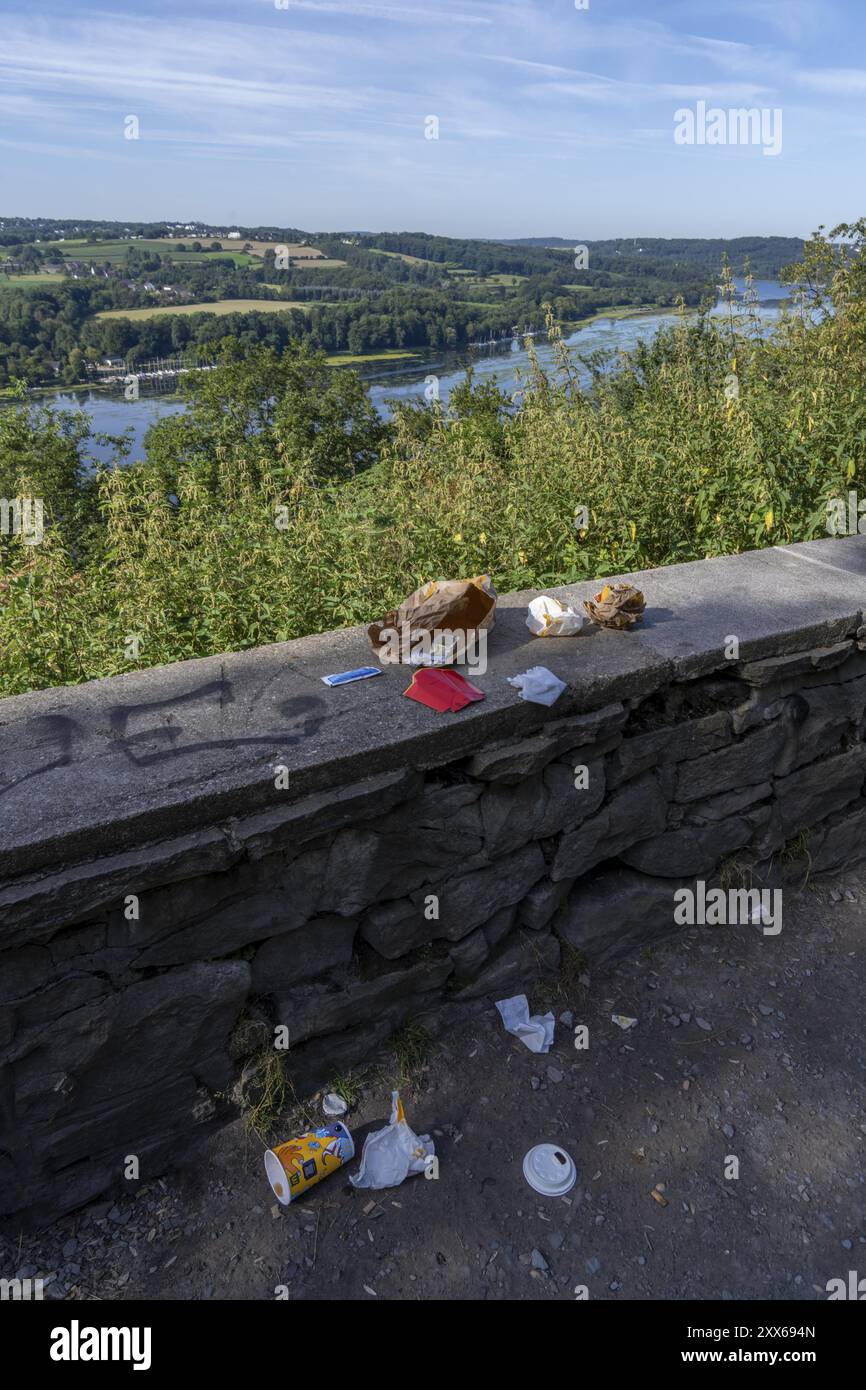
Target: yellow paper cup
{"type": "Point", "coordinates": [298, 1164]}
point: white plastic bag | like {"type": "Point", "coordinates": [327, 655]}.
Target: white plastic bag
{"type": "Point", "coordinates": [546, 617]}
{"type": "Point", "coordinates": [389, 1155]}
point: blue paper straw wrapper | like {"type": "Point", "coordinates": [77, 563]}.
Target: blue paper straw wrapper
{"type": "Point", "coordinates": [344, 677]}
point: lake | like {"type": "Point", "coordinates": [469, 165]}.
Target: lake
{"type": "Point", "coordinates": [112, 414]}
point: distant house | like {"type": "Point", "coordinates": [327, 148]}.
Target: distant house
{"type": "Point", "coordinates": [148, 285]}
{"type": "Point", "coordinates": [234, 236]}
{"type": "Point", "coordinates": [111, 364]}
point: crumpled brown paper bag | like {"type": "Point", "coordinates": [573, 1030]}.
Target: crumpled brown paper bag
{"type": "Point", "coordinates": [617, 606]}
{"type": "Point", "coordinates": [459, 606]}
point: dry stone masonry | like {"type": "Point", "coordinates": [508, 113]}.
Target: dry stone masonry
{"type": "Point", "coordinates": [192, 855]}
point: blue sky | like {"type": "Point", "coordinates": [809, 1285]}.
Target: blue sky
{"type": "Point", "coordinates": [553, 120]}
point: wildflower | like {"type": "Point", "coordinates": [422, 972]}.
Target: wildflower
{"type": "Point", "coordinates": [768, 520]}
{"type": "Point", "coordinates": [521, 555]}
{"type": "Point", "coordinates": [458, 538]}
{"type": "Point", "coordinates": [483, 537]}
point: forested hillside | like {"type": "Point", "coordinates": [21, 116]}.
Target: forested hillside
{"type": "Point", "coordinates": [74, 295]}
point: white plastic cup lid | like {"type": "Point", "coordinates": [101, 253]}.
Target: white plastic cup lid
{"type": "Point", "coordinates": [550, 1170]}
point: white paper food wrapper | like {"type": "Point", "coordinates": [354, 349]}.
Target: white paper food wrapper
{"type": "Point", "coordinates": [546, 617]}
{"type": "Point", "coordinates": [389, 1155]}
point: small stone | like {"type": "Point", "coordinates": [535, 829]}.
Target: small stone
{"type": "Point", "coordinates": [614, 1286]}
{"type": "Point", "coordinates": [685, 1018]}
{"type": "Point", "coordinates": [69, 1249]}
{"type": "Point", "coordinates": [566, 1018]}
{"type": "Point", "coordinates": [847, 1245]}
{"type": "Point", "coordinates": [535, 1082]}
{"type": "Point", "coordinates": [728, 1131]}
{"type": "Point", "coordinates": [539, 1262]}
{"type": "Point", "coordinates": [555, 1075]}
{"type": "Point", "coordinates": [702, 1023]}
{"type": "Point", "coordinates": [641, 1259]}
{"type": "Point", "coordinates": [555, 1240]}
{"type": "Point", "coordinates": [765, 1009]}
{"type": "Point", "coordinates": [593, 1265]}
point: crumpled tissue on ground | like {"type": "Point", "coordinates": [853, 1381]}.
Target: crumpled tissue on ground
{"type": "Point", "coordinates": [539, 685]}
{"type": "Point", "coordinates": [535, 1032]}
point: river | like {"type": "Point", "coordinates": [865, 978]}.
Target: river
{"type": "Point", "coordinates": [387, 382]}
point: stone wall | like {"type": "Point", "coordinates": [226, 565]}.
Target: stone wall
{"type": "Point", "coordinates": [193, 854]}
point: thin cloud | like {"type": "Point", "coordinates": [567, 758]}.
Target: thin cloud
{"type": "Point", "coordinates": [835, 81]}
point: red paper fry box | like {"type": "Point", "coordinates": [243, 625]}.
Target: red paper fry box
{"type": "Point", "coordinates": [442, 690]}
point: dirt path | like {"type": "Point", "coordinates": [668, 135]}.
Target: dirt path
{"type": "Point", "coordinates": [746, 1045]}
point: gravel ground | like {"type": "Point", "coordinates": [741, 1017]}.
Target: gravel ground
{"type": "Point", "coordinates": [746, 1045]}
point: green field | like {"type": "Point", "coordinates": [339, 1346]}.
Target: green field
{"type": "Point", "coordinates": [401, 256]}
{"type": "Point", "coordinates": [29, 282]}
{"type": "Point", "coordinates": [219, 306]}
{"type": "Point", "coordinates": [342, 359]}
{"type": "Point", "coordinates": [628, 311]}
{"type": "Point", "coordinates": [510, 280]}
{"type": "Point", "coordinates": [114, 252]}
